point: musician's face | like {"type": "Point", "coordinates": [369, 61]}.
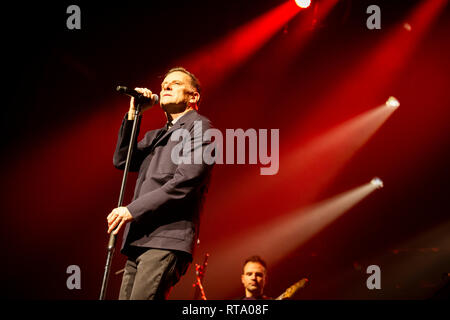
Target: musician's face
{"type": "Point", "coordinates": [177, 92]}
{"type": "Point", "coordinates": [254, 278]}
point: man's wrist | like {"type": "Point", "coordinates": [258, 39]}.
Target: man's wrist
{"type": "Point", "coordinates": [132, 114]}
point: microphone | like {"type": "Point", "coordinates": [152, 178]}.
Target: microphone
{"type": "Point", "coordinates": [138, 96]}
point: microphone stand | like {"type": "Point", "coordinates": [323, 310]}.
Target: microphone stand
{"type": "Point", "coordinates": [112, 237]}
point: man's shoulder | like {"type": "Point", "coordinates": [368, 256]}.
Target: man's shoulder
{"type": "Point", "coordinates": [194, 116]}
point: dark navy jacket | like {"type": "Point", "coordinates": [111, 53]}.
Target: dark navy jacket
{"type": "Point", "coordinates": [168, 197]}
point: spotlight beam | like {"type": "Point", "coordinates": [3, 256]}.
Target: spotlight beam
{"type": "Point", "coordinates": [277, 239]}
{"type": "Point", "coordinates": [316, 161]}
{"type": "Point", "coordinates": [214, 62]}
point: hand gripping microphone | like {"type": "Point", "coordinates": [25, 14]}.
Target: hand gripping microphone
{"type": "Point", "coordinates": [138, 96]}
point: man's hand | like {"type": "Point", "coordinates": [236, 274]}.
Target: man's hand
{"type": "Point", "coordinates": [117, 218]}
{"type": "Point", "coordinates": [146, 93]}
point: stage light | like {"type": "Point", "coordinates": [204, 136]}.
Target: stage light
{"type": "Point", "coordinates": [407, 26]}
{"type": "Point", "coordinates": [377, 182]}
{"type": "Point", "coordinates": [392, 102]}
{"type": "Point", "coordinates": [303, 3]}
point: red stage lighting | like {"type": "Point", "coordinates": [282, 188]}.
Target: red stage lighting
{"type": "Point", "coordinates": [303, 3]}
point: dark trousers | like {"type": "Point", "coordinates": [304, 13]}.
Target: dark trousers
{"type": "Point", "coordinates": [151, 273]}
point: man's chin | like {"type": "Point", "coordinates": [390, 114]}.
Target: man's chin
{"type": "Point", "coordinates": [173, 108]}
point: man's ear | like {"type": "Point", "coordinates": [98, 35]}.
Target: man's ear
{"type": "Point", "coordinates": [195, 98]}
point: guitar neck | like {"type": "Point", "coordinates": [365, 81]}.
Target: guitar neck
{"type": "Point", "coordinates": [292, 289]}
{"type": "Point", "coordinates": [280, 297]}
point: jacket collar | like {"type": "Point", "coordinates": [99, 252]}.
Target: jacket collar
{"type": "Point", "coordinates": [185, 118]}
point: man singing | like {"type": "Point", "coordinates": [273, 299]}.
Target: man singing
{"type": "Point", "coordinates": [162, 222]}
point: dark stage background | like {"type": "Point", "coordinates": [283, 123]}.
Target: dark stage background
{"type": "Point", "coordinates": [61, 115]}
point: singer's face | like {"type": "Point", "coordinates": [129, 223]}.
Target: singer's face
{"type": "Point", "coordinates": [176, 92]}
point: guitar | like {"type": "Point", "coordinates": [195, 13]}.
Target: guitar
{"type": "Point", "coordinates": [292, 289]}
